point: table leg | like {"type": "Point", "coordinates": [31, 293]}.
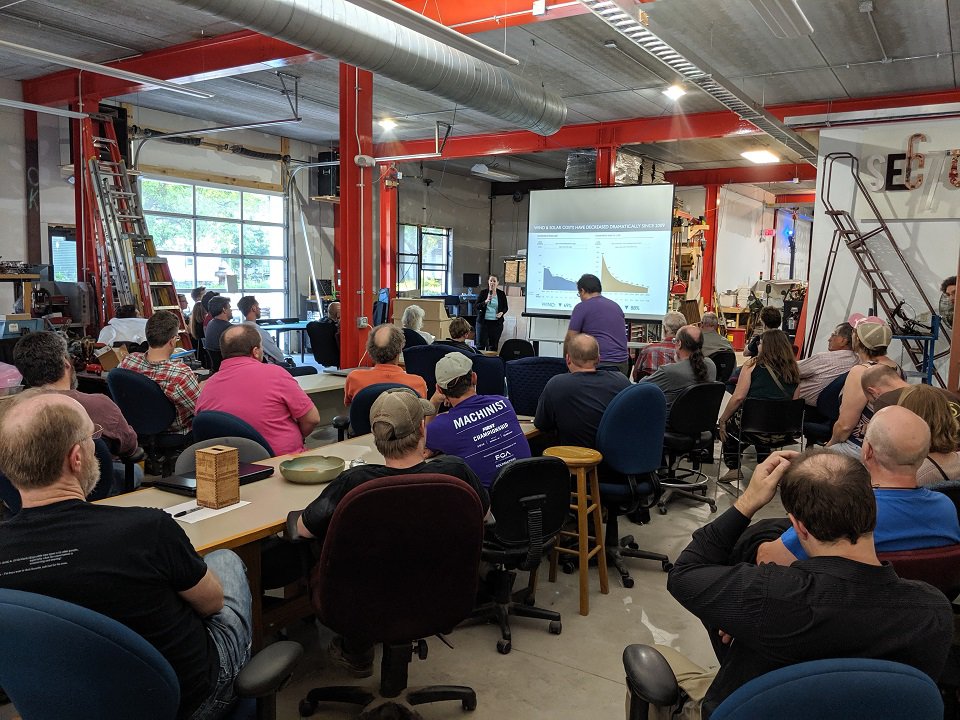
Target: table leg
{"type": "Point", "coordinates": [303, 346]}
{"type": "Point", "coordinates": [250, 554]}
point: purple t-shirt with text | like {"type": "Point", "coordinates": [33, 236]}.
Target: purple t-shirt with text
{"type": "Point", "coordinates": [484, 431]}
{"type": "Point", "coordinates": [602, 318]}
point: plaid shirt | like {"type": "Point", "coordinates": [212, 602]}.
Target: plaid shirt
{"type": "Point", "coordinates": [818, 371]}
{"type": "Point", "coordinates": [177, 382]}
{"type": "Point", "coordinates": [653, 356]}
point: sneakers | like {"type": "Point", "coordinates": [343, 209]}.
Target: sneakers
{"type": "Point", "coordinates": [731, 476]}
{"type": "Point", "coordinates": [359, 665]}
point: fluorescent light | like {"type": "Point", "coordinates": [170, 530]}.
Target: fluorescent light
{"type": "Point", "coordinates": [674, 92]}
{"type": "Point", "coordinates": [760, 157]}
{"type": "Point", "coordinates": [489, 173]}
{"type": "Point", "coordinates": [43, 109]}
{"type": "Point", "coordinates": [784, 18]}
{"type": "Point", "coordinates": [388, 123]}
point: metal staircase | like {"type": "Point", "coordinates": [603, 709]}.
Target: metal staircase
{"type": "Point", "coordinates": [882, 264]}
{"type": "Point", "coordinates": [127, 270]}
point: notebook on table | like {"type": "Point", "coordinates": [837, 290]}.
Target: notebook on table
{"type": "Point", "coordinates": [187, 484]}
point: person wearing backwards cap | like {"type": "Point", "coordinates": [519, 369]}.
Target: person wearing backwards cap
{"type": "Point", "coordinates": [871, 336]}
{"type": "Point", "coordinates": [481, 429]}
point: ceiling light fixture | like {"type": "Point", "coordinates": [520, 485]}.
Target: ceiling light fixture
{"type": "Point", "coordinates": [101, 69]}
{"type": "Point", "coordinates": [675, 92]}
{"type": "Point", "coordinates": [42, 109]}
{"type": "Point", "coordinates": [481, 170]}
{"type": "Point", "coordinates": [784, 18]}
{"type": "Point", "coordinates": [388, 123]}
{"type": "Point", "coordinates": [760, 157]}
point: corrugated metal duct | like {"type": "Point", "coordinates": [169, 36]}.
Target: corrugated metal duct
{"type": "Point", "coordinates": [353, 35]}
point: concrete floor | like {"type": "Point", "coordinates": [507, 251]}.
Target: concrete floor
{"type": "Point", "coordinates": [576, 674]}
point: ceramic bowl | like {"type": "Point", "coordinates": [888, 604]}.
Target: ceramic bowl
{"type": "Point", "coordinates": [311, 469]}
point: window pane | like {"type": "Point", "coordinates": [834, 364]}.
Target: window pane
{"type": "Point", "coordinates": [181, 267]}
{"type": "Point", "coordinates": [406, 276]}
{"type": "Point", "coordinates": [263, 208]}
{"type": "Point", "coordinates": [408, 239]}
{"type": "Point", "coordinates": [262, 240]}
{"type": "Point", "coordinates": [434, 249]}
{"type": "Point", "coordinates": [217, 273]}
{"type": "Point", "coordinates": [171, 234]}
{"type": "Point", "coordinates": [218, 237]}
{"type": "Point", "coordinates": [214, 202]}
{"type": "Point", "coordinates": [433, 282]}
{"type": "Point", "coordinates": [166, 196]}
{"type": "Point", "coordinates": [272, 305]}
{"type": "Point", "coordinates": [263, 274]}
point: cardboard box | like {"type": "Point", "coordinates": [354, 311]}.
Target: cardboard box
{"type": "Point", "coordinates": [110, 358]}
{"type": "Point", "coordinates": [218, 476]}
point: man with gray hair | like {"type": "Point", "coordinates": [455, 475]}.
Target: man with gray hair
{"type": "Point", "coordinates": [820, 369]}
{"type": "Point", "coordinates": [662, 352]}
{"type": "Point", "coordinates": [713, 341]}
{"type": "Point", "coordinates": [384, 345]}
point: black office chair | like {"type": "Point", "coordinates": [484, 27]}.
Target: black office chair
{"type": "Point", "coordinates": [526, 379]}
{"type": "Point", "coordinates": [216, 358]}
{"type": "Point", "coordinates": [324, 343]}
{"type": "Point", "coordinates": [411, 338]}
{"type": "Point", "coordinates": [491, 376]}
{"type": "Point", "coordinates": [690, 434]}
{"type": "Point", "coordinates": [530, 499]}
{"type": "Point", "coordinates": [67, 662]}
{"type": "Point", "coordinates": [422, 360]}
{"type": "Point", "coordinates": [630, 438]}
{"type": "Point", "coordinates": [818, 426]}
{"type": "Point", "coordinates": [771, 423]}
{"type": "Point", "coordinates": [150, 413]}
{"type": "Point", "coordinates": [515, 348]}
{"type": "Point", "coordinates": [357, 422]}
{"type": "Point", "coordinates": [213, 424]}
{"type": "Point", "coordinates": [726, 362]}
{"type": "Point", "coordinates": [396, 577]}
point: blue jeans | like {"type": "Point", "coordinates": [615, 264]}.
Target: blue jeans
{"type": "Point", "coordinates": [231, 630]}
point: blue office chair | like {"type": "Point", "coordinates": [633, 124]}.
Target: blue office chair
{"type": "Point", "coordinates": [831, 689]}
{"type": "Point", "coordinates": [213, 423]}
{"type": "Point", "coordinates": [491, 376]}
{"type": "Point", "coordinates": [64, 661]}
{"type": "Point", "coordinates": [630, 438]}
{"type": "Point", "coordinates": [422, 360]}
{"type": "Point", "coordinates": [150, 413]}
{"type": "Point", "coordinates": [411, 338]}
{"type": "Point", "coordinates": [818, 426]}
{"type": "Point", "coordinates": [358, 421]}
{"type": "Point", "coordinates": [526, 379]}
{"type": "Point", "coordinates": [324, 343]}
{"type": "Point", "coordinates": [516, 348]}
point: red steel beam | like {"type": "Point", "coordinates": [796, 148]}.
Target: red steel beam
{"type": "Point", "coordinates": [206, 59]}
{"type": "Point", "coordinates": [805, 198]}
{"type": "Point", "coordinates": [712, 216]}
{"type": "Point", "coordinates": [482, 15]}
{"type": "Point", "coordinates": [751, 174]}
{"type": "Point", "coordinates": [388, 238]}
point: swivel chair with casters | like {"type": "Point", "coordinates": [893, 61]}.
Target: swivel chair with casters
{"type": "Point", "coordinates": [210, 424]}
{"type": "Point", "coordinates": [422, 360]}
{"type": "Point", "coordinates": [395, 577]}
{"type": "Point", "coordinates": [150, 413]}
{"type": "Point", "coordinates": [526, 379]}
{"type": "Point", "coordinates": [818, 427]}
{"type": "Point", "coordinates": [630, 437]}
{"type": "Point", "coordinates": [530, 498]}
{"type": "Point", "coordinates": [726, 363]}
{"type": "Point", "coordinates": [324, 343]}
{"type": "Point", "coordinates": [516, 348]}
{"type": "Point", "coordinates": [491, 377]}
{"type": "Point", "coordinates": [832, 689]}
{"type": "Point", "coordinates": [65, 661]}
{"type": "Point", "coordinates": [357, 421]}
{"type": "Point", "coordinates": [689, 434]}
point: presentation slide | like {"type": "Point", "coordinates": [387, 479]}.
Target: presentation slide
{"type": "Point", "coordinates": [619, 234]}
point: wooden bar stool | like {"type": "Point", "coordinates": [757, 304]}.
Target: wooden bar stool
{"type": "Point", "coordinates": [583, 463]}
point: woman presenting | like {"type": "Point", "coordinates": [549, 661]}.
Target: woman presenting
{"type": "Point", "coordinates": [491, 306]}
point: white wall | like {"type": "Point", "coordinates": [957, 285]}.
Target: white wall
{"type": "Point", "coordinates": [742, 251]}
{"type": "Point", "coordinates": [13, 201]}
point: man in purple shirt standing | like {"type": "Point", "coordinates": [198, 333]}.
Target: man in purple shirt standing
{"type": "Point", "coordinates": [481, 429]}
{"type": "Point", "coordinates": [603, 319]}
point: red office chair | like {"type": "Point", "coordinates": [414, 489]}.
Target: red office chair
{"type": "Point", "coordinates": [938, 566]}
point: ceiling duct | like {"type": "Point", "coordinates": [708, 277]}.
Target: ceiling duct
{"type": "Point", "coordinates": [357, 36]}
{"type": "Point", "coordinates": [695, 71]}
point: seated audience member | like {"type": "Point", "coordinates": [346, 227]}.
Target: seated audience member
{"type": "Point", "coordinates": [397, 421]}
{"type": "Point", "coordinates": [771, 375]}
{"type": "Point", "coordinates": [819, 370]}
{"type": "Point", "coordinates": [333, 313]}
{"type": "Point", "coordinates": [196, 315]}
{"type": "Point", "coordinates": [464, 430]}
{"type": "Point", "coordinates": [573, 403]}
{"type": "Point", "coordinates": [126, 326]}
{"type": "Point", "coordinates": [175, 379]}
{"type": "Point", "coordinates": [842, 602]}
{"type": "Point", "coordinates": [459, 333]}
{"type": "Point", "coordinates": [943, 461]}
{"type": "Point", "coordinates": [882, 385]}
{"type": "Point", "coordinates": [264, 395]}
{"type": "Point", "coordinates": [132, 564]}
{"type": "Point", "coordinates": [713, 341]}
{"type": "Point", "coordinates": [770, 319]}
{"type": "Point", "coordinates": [220, 314]}
{"type": "Point", "coordinates": [691, 366]}
{"type": "Point", "coordinates": [205, 303]}
{"type": "Point", "coordinates": [948, 299]}
{"type": "Point", "coordinates": [662, 352]}
{"type": "Point", "coordinates": [412, 319]}
{"type": "Point", "coordinates": [871, 336]}
{"type": "Point", "coordinates": [384, 345]}
{"type": "Point", "coordinates": [250, 309]}
{"type": "Point", "coordinates": [908, 517]}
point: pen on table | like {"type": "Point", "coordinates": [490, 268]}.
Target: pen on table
{"type": "Point", "coordinates": [187, 512]}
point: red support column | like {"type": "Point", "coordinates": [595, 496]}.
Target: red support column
{"type": "Point", "coordinates": [712, 215]}
{"type": "Point", "coordinates": [354, 231]}
{"type": "Point", "coordinates": [606, 160]}
{"type": "Point", "coordinates": [388, 234]}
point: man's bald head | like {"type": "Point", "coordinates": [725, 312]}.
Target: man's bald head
{"type": "Point", "coordinates": [900, 439]}
{"type": "Point", "coordinates": [385, 343]}
{"type": "Point", "coordinates": [583, 351]}
{"type": "Point", "coordinates": [333, 311]}
{"type": "Point", "coordinates": [880, 379]}
{"type": "Point", "coordinates": [38, 433]}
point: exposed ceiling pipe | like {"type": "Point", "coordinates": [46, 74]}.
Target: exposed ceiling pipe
{"type": "Point", "coordinates": [353, 35]}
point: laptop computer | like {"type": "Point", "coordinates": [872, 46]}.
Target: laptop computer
{"type": "Point", "coordinates": [340, 372]}
{"type": "Point", "coordinates": [187, 484]}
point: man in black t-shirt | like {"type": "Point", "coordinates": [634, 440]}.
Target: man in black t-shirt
{"type": "Point", "coordinates": [397, 420]}
{"type": "Point", "coordinates": [134, 565]}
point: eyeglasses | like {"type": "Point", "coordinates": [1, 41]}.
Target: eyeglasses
{"type": "Point", "coordinates": [97, 432]}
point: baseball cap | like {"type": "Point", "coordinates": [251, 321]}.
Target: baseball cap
{"type": "Point", "coordinates": [871, 331]}
{"type": "Point", "coordinates": [452, 366]}
{"type": "Point", "coordinates": [400, 409]}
